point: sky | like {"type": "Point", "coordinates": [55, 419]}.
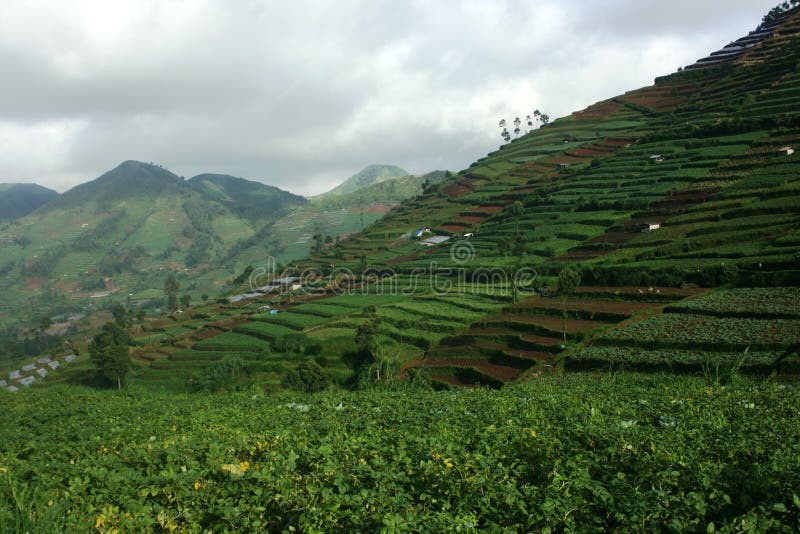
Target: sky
{"type": "Point", "coordinates": [303, 94]}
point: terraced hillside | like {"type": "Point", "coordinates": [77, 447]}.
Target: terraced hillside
{"type": "Point", "coordinates": [654, 197]}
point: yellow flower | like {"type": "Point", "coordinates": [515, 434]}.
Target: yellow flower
{"type": "Point", "coordinates": [198, 485]}
{"type": "Point", "coordinates": [448, 464]}
{"type": "Point", "coordinates": [533, 433]}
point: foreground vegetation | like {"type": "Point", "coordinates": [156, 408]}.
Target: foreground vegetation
{"type": "Point", "coordinates": [580, 452]}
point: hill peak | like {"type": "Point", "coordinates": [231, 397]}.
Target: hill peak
{"type": "Point", "coordinates": [17, 200]}
{"type": "Point", "coordinates": [369, 175]}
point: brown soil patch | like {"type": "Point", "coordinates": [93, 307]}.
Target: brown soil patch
{"type": "Point", "coordinates": [468, 219]}
{"type": "Point", "coordinates": [206, 334]}
{"type": "Point", "coordinates": [530, 338]}
{"type": "Point", "coordinates": [599, 110]}
{"type": "Point", "coordinates": [454, 228]}
{"type": "Point", "coordinates": [527, 354]}
{"type": "Point", "coordinates": [34, 284]}
{"type": "Point", "coordinates": [500, 372]}
{"type": "Point", "coordinates": [490, 209]}
{"type": "Point", "coordinates": [379, 208]}
{"type": "Point", "coordinates": [457, 189]}
{"type": "Point", "coordinates": [402, 259]}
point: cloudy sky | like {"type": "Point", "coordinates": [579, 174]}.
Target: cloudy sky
{"type": "Point", "coordinates": [303, 94]}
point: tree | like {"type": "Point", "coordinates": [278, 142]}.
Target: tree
{"type": "Point", "coordinates": [186, 300]}
{"type": "Point", "coordinates": [517, 122]}
{"type": "Point", "coordinates": [204, 297]}
{"type": "Point", "coordinates": [171, 287]}
{"type": "Point", "coordinates": [121, 315]}
{"type": "Point", "coordinates": [223, 374]}
{"type": "Point", "coordinates": [568, 280]}
{"type": "Point", "coordinates": [366, 340]}
{"type": "Point", "coordinates": [307, 377]}
{"type": "Point", "coordinates": [317, 247]}
{"type": "Point", "coordinates": [504, 132]}
{"type": "Point", "coordinates": [45, 323]}
{"type": "Point", "coordinates": [108, 351]}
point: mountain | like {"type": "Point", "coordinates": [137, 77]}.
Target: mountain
{"type": "Point", "coordinates": [130, 180]}
{"type": "Point", "coordinates": [124, 230]}
{"type": "Point", "coordinates": [388, 192]}
{"type": "Point", "coordinates": [372, 174]}
{"type": "Point", "coordinates": [245, 197]}
{"type": "Point", "coordinates": [17, 200]}
{"type": "Point", "coordinates": [664, 221]}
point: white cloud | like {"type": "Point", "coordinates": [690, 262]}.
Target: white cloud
{"type": "Point", "coordinates": [306, 93]}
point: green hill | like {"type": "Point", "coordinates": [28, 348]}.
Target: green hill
{"type": "Point", "coordinates": [17, 200]}
{"type": "Point", "coordinates": [247, 198]}
{"type": "Point", "coordinates": [657, 198]}
{"type": "Point", "coordinates": [120, 233]}
{"type": "Point", "coordinates": [372, 174]}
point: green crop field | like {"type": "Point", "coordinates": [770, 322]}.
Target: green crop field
{"type": "Point", "coordinates": [623, 453]}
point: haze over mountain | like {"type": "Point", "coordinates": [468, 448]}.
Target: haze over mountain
{"type": "Point", "coordinates": [372, 174]}
{"type": "Point", "coordinates": [17, 200]}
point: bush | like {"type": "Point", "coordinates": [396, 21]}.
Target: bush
{"type": "Point", "coordinates": [221, 375]}
{"type": "Point", "coordinates": [307, 377]}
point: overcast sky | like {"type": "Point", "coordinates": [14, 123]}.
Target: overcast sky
{"type": "Point", "coordinates": [302, 94]}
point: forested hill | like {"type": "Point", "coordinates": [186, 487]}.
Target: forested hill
{"type": "Point", "coordinates": [17, 200]}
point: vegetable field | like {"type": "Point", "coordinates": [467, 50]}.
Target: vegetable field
{"type": "Point", "coordinates": [578, 453]}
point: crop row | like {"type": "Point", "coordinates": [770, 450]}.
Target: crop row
{"type": "Point", "coordinates": [688, 331]}
{"type": "Point", "coordinates": [296, 321]}
{"type": "Point", "coordinates": [234, 342]}
{"type": "Point", "coordinates": [665, 359]}
{"type": "Point", "coordinates": [758, 301]}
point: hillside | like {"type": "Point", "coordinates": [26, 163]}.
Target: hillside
{"type": "Point", "coordinates": [244, 197]}
{"type": "Point", "coordinates": [372, 174]}
{"type": "Point", "coordinates": [122, 232]}
{"type": "Point", "coordinates": [17, 200]}
{"type": "Point", "coordinates": [658, 199]}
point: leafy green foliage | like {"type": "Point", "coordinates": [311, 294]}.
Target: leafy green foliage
{"type": "Point", "coordinates": [221, 375]}
{"type": "Point", "coordinates": [578, 453]}
{"type": "Point", "coordinates": [307, 377]}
